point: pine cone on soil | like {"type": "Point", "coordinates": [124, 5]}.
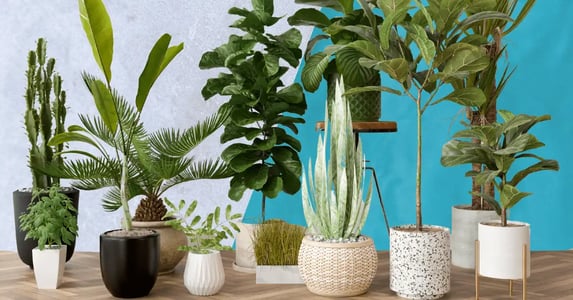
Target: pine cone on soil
{"type": "Point", "coordinates": [150, 209]}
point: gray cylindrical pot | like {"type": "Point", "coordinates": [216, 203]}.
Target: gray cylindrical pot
{"type": "Point", "coordinates": [465, 232]}
{"type": "Point", "coordinates": [420, 261]}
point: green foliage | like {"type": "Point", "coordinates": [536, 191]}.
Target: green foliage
{"type": "Point", "coordinates": [502, 145]}
{"type": "Point", "coordinates": [50, 219]}
{"type": "Point", "coordinates": [206, 236]}
{"type": "Point", "coordinates": [117, 125]}
{"type": "Point", "coordinates": [343, 56]}
{"type": "Point", "coordinates": [333, 198]}
{"type": "Point", "coordinates": [42, 113]}
{"type": "Point", "coordinates": [263, 112]}
{"type": "Point", "coordinates": [277, 243]}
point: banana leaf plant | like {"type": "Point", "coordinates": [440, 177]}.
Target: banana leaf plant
{"type": "Point", "coordinates": [502, 146]}
{"type": "Point", "coordinates": [435, 49]}
{"type": "Point", "coordinates": [264, 113]}
{"type": "Point", "coordinates": [118, 123]}
{"type": "Point", "coordinates": [490, 34]}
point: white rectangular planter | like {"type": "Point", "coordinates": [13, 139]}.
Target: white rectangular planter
{"type": "Point", "coordinates": [278, 275]}
{"type": "Point", "coordinates": [49, 266]}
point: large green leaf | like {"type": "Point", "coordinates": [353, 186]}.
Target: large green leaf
{"type": "Point", "coordinates": [66, 137]}
{"type": "Point", "coordinates": [256, 176]}
{"type": "Point", "coordinates": [396, 68]}
{"type": "Point", "coordinates": [480, 17]}
{"type": "Point", "coordinates": [263, 5]}
{"type": "Point", "coordinates": [426, 46]}
{"type": "Point", "coordinates": [510, 195]}
{"type": "Point", "coordinates": [465, 62]}
{"type": "Point", "coordinates": [471, 96]}
{"type": "Point", "coordinates": [544, 165]}
{"type": "Point", "coordinates": [97, 26]}
{"type": "Point", "coordinates": [313, 69]}
{"type": "Point", "coordinates": [310, 17]}
{"type": "Point", "coordinates": [347, 63]}
{"type": "Point", "coordinates": [455, 153]}
{"type": "Point", "coordinates": [103, 100]}
{"type": "Point", "coordinates": [159, 57]}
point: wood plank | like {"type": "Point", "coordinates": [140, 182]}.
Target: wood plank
{"type": "Point", "coordinates": [550, 279]}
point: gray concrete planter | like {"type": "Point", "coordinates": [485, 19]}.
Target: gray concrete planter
{"type": "Point", "coordinates": [465, 232]}
{"type": "Point", "coordinates": [278, 275]}
{"type": "Point", "coordinates": [420, 261]}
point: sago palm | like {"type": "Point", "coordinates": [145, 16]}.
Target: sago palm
{"type": "Point", "coordinates": [157, 162]}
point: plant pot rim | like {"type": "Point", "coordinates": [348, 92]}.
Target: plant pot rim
{"type": "Point", "coordinates": [362, 243]}
{"type": "Point", "coordinates": [51, 247]}
{"type": "Point", "coordinates": [435, 229]}
{"type": "Point", "coordinates": [210, 252]}
{"type": "Point", "coordinates": [514, 224]}
{"type": "Point", "coordinates": [28, 190]}
{"type": "Point", "coordinates": [154, 224]}
{"type": "Point", "coordinates": [468, 207]}
{"type": "Point", "coordinates": [111, 237]}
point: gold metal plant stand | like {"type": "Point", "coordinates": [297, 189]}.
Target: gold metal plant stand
{"type": "Point", "coordinates": [523, 271]}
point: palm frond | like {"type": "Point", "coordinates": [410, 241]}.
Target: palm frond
{"type": "Point", "coordinates": [176, 143]}
{"type": "Point", "coordinates": [207, 169]}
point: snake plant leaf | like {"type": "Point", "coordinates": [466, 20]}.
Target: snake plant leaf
{"type": "Point", "coordinates": [309, 17]}
{"type": "Point", "coordinates": [159, 58]}
{"type": "Point", "coordinates": [103, 100]}
{"type": "Point", "coordinates": [97, 26]}
{"type": "Point", "coordinates": [471, 96]}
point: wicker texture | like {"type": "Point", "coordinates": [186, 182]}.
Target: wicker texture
{"type": "Point", "coordinates": [337, 269]}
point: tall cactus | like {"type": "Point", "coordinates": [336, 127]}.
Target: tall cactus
{"type": "Point", "coordinates": [43, 113]}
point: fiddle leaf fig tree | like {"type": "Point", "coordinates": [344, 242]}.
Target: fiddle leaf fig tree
{"type": "Point", "coordinates": [264, 113]}
{"type": "Point", "coordinates": [501, 146]}
{"type": "Point", "coordinates": [434, 51]}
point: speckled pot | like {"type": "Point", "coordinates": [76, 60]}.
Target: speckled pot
{"type": "Point", "coordinates": [420, 262]}
{"type": "Point", "coordinates": [501, 249]}
{"type": "Point", "coordinates": [465, 233]}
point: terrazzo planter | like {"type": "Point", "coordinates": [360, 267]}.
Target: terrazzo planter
{"type": "Point", "coordinates": [245, 260]}
{"type": "Point", "coordinates": [171, 239]}
{"type": "Point", "coordinates": [420, 261]}
{"type": "Point", "coordinates": [204, 274]}
{"type": "Point", "coordinates": [465, 232]}
{"type": "Point", "coordinates": [337, 269]}
{"type": "Point", "coordinates": [501, 249]}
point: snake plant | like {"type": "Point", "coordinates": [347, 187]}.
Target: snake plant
{"type": "Point", "coordinates": [333, 199]}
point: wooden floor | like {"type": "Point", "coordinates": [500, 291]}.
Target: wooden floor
{"type": "Point", "coordinates": [551, 278]}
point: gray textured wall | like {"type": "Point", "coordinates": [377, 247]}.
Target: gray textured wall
{"type": "Point", "coordinates": [175, 100]}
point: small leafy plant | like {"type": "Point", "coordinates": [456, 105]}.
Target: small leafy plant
{"type": "Point", "coordinates": [502, 145]}
{"type": "Point", "coordinates": [205, 236]}
{"type": "Point", "coordinates": [50, 219]}
{"type": "Point", "coordinates": [277, 243]}
{"type": "Point", "coordinates": [333, 203]}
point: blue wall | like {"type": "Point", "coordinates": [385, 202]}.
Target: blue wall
{"type": "Point", "coordinates": [540, 48]}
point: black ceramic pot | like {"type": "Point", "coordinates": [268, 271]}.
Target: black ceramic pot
{"type": "Point", "coordinates": [21, 201]}
{"type": "Point", "coordinates": [129, 265]}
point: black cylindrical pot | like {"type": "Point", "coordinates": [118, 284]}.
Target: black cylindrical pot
{"type": "Point", "coordinates": [129, 264]}
{"type": "Point", "coordinates": [21, 200]}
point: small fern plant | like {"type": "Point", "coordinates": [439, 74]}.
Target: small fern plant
{"type": "Point", "coordinates": [203, 237]}
{"type": "Point", "coordinates": [50, 219]}
{"type": "Point", "coordinates": [333, 201]}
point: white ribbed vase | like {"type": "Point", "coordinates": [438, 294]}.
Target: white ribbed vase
{"type": "Point", "coordinates": [204, 274]}
{"type": "Point", "coordinates": [465, 233]}
{"type": "Point", "coordinates": [420, 261]}
{"type": "Point", "coordinates": [501, 249]}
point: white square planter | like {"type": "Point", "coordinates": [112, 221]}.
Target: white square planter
{"type": "Point", "coordinates": [49, 266]}
{"type": "Point", "coordinates": [278, 275]}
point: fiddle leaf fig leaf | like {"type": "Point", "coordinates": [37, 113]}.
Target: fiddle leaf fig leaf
{"type": "Point", "coordinates": [309, 17]}
{"type": "Point", "coordinates": [256, 176]}
{"type": "Point", "coordinates": [426, 46]}
{"type": "Point", "coordinates": [544, 165]}
{"type": "Point", "coordinates": [471, 96]}
{"type": "Point", "coordinates": [510, 196]}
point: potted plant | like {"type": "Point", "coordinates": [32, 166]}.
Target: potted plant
{"type": "Point", "coordinates": [335, 259]}
{"type": "Point", "coordinates": [490, 35]}
{"type": "Point", "coordinates": [502, 147]}
{"type": "Point", "coordinates": [44, 117]}
{"type": "Point", "coordinates": [264, 113]}
{"type": "Point", "coordinates": [51, 221]}
{"type": "Point", "coordinates": [276, 244]}
{"type": "Point", "coordinates": [339, 59]}
{"type": "Point", "coordinates": [204, 274]}
{"type": "Point", "coordinates": [434, 50]}
{"type": "Point", "coordinates": [128, 258]}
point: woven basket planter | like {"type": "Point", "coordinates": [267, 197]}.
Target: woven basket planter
{"type": "Point", "coordinates": [337, 269]}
